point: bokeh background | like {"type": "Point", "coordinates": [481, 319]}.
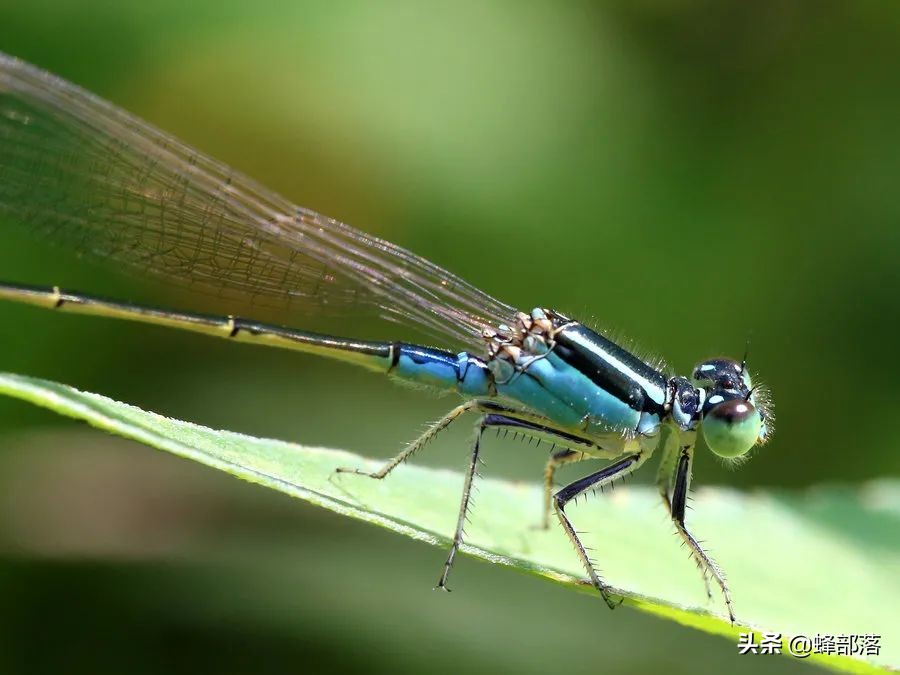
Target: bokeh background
{"type": "Point", "coordinates": [693, 174]}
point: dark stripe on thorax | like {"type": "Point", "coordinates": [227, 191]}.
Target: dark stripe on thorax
{"type": "Point", "coordinates": [606, 364]}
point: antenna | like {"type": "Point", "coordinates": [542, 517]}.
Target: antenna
{"type": "Point", "coordinates": [744, 360]}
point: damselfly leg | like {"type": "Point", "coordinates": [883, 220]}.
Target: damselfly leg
{"type": "Point", "coordinates": [557, 459]}
{"type": "Point", "coordinates": [485, 407]}
{"type": "Point", "coordinates": [464, 503]}
{"type": "Point", "coordinates": [420, 442]}
{"type": "Point", "coordinates": [497, 416]}
{"type": "Point", "coordinates": [573, 449]}
{"type": "Point", "coordinates": [496, 419]}
{"type": "Point", "coordinates": [675, 473]}
{"type": "Point", "coordinates": [590, 484]}
{"type": "Point", "coordinates": [665, 477]}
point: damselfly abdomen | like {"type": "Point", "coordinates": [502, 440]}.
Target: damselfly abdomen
{"type": "Point", "coordinates": [88, 175]}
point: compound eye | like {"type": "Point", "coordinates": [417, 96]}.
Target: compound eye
{"type": "Point", "coordinates": [722, 374]}
{"type": "Point", "coordinates": [732, 427]}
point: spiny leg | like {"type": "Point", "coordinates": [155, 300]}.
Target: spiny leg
{"type": "Point", "coordinates": [705, 564]}
{"type": "Point", "coordinates": [421, 441]}
{"type": "Point", "coordinates": [464, 503]}
{"type": "Point", "coordinates": [495, 418]}
{"type": "Point", "coordinates": [591, 483]}
{"type": "Point", "coordinates": [556, 460]}
{"type": "Point", "coordinates": [666, 471]}
{"type": "Point", "coordinates": [575, 449]}
{"type": "Point", "coordinates": [495, 415]}
{"type": "Point", "coordinates": [664, 478]}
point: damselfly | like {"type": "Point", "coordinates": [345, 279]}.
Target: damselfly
{"type": "Point", "coordinates": [92, 177]}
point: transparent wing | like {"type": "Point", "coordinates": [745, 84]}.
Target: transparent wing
{"type": "Point", "coordinates": [91, 177]}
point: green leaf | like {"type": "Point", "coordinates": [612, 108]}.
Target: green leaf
{"type": "Point", "coordinates": [821, 562]}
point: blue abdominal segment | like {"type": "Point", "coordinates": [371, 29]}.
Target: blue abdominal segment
{"type": "Point", "coordinates": [441, 369]}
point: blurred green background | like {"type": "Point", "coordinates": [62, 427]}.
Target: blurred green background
{"type": "Point", "coordinates": [691, 174]}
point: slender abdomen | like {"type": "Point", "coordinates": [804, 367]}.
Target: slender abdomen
{"type": "Point", "coordinates": [421, 365]}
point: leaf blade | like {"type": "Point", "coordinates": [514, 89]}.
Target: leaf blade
{"type": "Point", "coordinates": [421, 503]}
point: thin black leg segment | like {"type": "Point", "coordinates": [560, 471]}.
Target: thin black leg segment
{"type": "Point", "coordinates": [464, 504]}
{"type": "Point", "coordinates": [671, 464]}
{"type": "Point", "coordinates": [679, 492]}
{"type": "Point", "coordinates": [556, 460]}
{"type": "Point", "coordinates": [423, 440]}
{"type": "Point", "coordinates": [495, 415]}
{"type": "Point", "coordinates": [498, 419]}
{"type": "Point", "coordinates": [705, 564]}
{"type": "Point", "coordinates": [582, 486]}
{"type": "Point", "coordinates": [573, 450]}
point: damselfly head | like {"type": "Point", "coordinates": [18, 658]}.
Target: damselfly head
{"type": "Point", "coordinates": [735, 415]}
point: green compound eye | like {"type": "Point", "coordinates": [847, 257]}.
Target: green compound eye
{"type": "Point", "coordinates": [731, 428]}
